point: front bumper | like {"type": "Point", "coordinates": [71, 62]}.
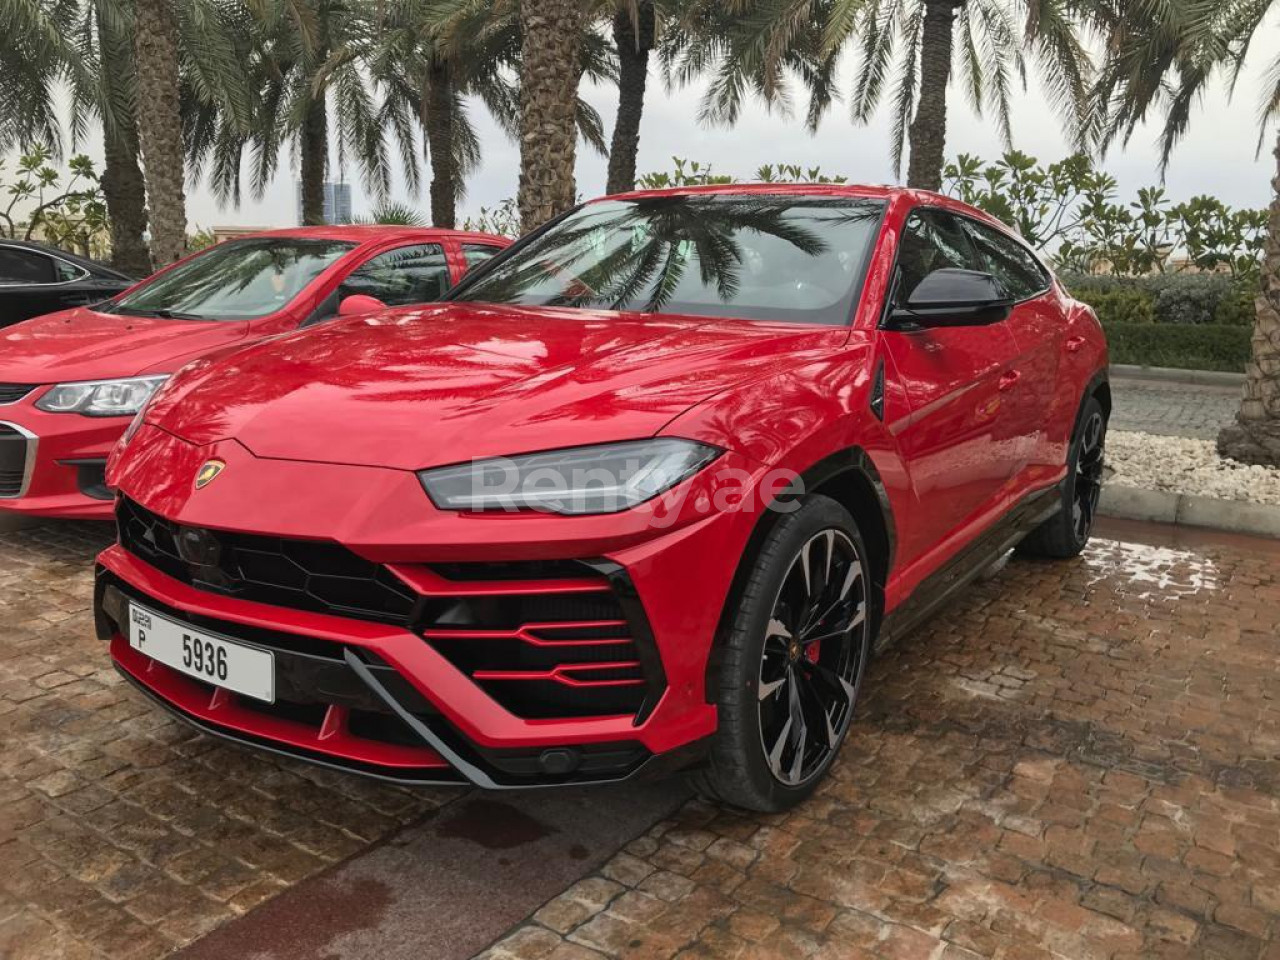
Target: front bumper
{"type": "Point", "coordinates": [56, 462]}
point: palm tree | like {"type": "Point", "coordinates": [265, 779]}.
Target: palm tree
{"type": "Point", "coordinates": [916, 46]}
{"type": "Point", "coordinates": [551, 43]}
{"type": "Point", "coordinates": [94, 58]}
{"type": "Point", "coordinates": [1163, 55]}
{"type": "Point", "coordinates": [635, 29]}
{"type": "Point", "coordinates": [158, 77]}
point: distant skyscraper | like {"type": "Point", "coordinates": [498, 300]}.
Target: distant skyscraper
{"type": "Point", "coordinates": [337, 202]}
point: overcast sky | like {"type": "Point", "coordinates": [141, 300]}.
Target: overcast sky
{"type": "Point", "coordinates": [1217, 157]}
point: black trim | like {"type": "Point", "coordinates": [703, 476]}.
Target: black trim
{"type": "Point", "coordinates": [624, 589]}
{"type": "Point", "coordinates": [854, 459]}
{"type": "Point", "coordinates": [478, 273]}
{"type": "Point", "coordinates": [876, 402]}
{"type": "Point", "coordinates": [941, 585]}
{"type": "Point", "coordinates": [91, 478]}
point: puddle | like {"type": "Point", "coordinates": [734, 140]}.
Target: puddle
{"type": "Point", "coordinates": [1149, 573]}
{"type": "Point", "coordinates": [494, 825]}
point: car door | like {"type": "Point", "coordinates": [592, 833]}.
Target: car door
{"type": "Point", "coordinates": [958, 440]}
{"type": "Point", "coordinates": [1037, 326]}
{"type": "Point", "coordinates": [29, 284]}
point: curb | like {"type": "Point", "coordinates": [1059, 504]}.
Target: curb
{"type": "Point", "coordinates": [1188, 510]}
{"type": "Point", "coordinates": [1200, 378]}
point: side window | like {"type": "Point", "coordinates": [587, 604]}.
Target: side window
{"type": "Point", "coordinates": [933, 240]}
{"type": "Point", "coordinates": [24, 266]}
{"type": "Point", "coordinates": [1008, 261]}
{"type": "Point", "coordinates": [406, 275]}
{"type": "Point", "coordinates": [68, 272]}
{"type": "Point", "coordinates": [478, 253]}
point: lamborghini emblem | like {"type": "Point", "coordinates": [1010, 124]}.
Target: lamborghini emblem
{"type": "Point", "coordinates": [208, 473]}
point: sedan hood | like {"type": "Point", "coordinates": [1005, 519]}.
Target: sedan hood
{"type": "Point", "coordinates": [82, 344]}
{"type": "Point", "coordinates": [428, 386]}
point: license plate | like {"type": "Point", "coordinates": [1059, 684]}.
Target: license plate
{"type": "Point", "coordinates": [203, 655]}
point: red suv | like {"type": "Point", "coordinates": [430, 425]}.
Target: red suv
{"type": "Point", "coordinates": [646, 492]}
{"type": "Point", "coordinates": [70, 382]}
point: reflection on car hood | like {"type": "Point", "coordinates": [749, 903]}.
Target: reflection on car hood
{"type": "Point", "coordinates": [422, 387]}
{"type": "Point", "coordinates": [82, 344]}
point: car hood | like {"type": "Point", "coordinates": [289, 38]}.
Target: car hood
{"type": "Point", "coordinates": [416, 388]}
{"type": "Point", "coordinates": [83, 344]}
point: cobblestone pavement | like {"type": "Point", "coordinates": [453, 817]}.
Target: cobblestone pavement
{"type": "Point", "coordinates": [123, 833]}
{"type": "Point", "coordinates": [1078, 760]}
{"type": "Point", "coordinates": [1172, 409]}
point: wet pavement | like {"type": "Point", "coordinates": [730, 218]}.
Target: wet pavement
{"type": "Point", "coordinates": [1169, 409]}
{"type": "Point", "coordinates": [1075, 760]}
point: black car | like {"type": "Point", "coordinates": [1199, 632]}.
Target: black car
{"type": "Point", "coordinates": [35, 280]}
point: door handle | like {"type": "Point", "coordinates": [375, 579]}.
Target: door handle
{"type": "Point", "coordinates": [1008, 379]}
{"type": "Point", "coordinates": [1073, 344]}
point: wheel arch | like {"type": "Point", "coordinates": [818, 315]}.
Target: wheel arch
{"type": "Point", "coordinates": [850, 478]}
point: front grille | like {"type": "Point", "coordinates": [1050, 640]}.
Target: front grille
{"type": "Point", "coordinates": [554, 647]}
{"type": "Point", "coordinates": [13, 392]}
{"type": "Point", "coordinates": [319, 576]}
{"type": "Point", "coordinates": [15, 448]}
{"type": "Point", "coordinates": [558, 639]}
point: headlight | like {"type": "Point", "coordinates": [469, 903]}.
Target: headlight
{"type": "Point", "coordinates": [101, 398]}
{"type": "Point", "coordinates": [608, 478]}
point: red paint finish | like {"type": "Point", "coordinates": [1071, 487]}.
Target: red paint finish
{"type": "Point", "coordinates": [84, 344]}
{"type": "Point", "coordinates": [322, 432]}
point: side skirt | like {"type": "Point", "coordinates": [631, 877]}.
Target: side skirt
{"type": "Point", "coordinates": [962, 569]}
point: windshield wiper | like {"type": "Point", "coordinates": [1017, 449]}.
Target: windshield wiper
{"type": "Point", "coordinates": [163, 314]}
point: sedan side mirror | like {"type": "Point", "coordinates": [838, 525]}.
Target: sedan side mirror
{"type": "Point", "coordinates": [952, 298]}
{"type": "Point", "coordinates": [359, 303]}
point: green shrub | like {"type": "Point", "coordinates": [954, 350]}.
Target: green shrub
{"type": "Point", "coordinates": [1205, 346]}
{"type": "Point", "coordinates": [1181, 299]}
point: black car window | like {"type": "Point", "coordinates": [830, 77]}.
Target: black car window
{"type": "Point", "coordinates": [780, 258]}
{"type": "Point", "coordinates": [68, 272]}
{"type": "Point", "coordinates": [478, 253]}
{"type": "Point", "coordinates": [932, 240]}
{"type": "Point", "coordinates": [1012, 264]}
{"type": "Point", "coordinates": [418, 274]}
{"type": "Point", "coordinates": [25, 266]}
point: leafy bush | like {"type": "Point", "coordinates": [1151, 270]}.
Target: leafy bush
{"type": "Point", "coordinates": [1207, 346]}
{"type": "Point", "coordinates": [1175, 298]}
{"type": "Point", "coordinates": [70, 213]}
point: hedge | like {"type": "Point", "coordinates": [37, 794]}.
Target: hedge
{"type": "Point", "coordinates": [1176, 298]}
{"type": "Point", "coordinates": [1205, 346]}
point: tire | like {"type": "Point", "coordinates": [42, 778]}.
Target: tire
{"type": "Point", "coordinates": [1067, 532]}
{"type": "Point", "coordinates": [797, 646]}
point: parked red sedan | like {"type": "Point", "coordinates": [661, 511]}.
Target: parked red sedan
{"type": "Point", "coordinates": [71, 381]}
{"type": "Point", "coordinates": [646, 492]}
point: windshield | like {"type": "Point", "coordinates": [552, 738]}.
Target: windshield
{"type": "Point", "coordinates": [789, 258]}
{"type": "Point", "coordinates": [236, 280]}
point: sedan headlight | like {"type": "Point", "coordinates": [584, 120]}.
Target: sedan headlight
{"type": "Point", "coordinates": [101, 398]}
{"type": "Point", "coordinates": [608, 478]}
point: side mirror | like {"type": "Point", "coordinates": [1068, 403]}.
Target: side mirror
{"type": "Point", "coordinates": [359, 303]}
{"type": "Point", "coordinates": [952, 298]}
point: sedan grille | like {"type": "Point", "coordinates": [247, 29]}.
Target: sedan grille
{"type": "Point", "coordinates": [13, 392]}
{"type": "Point", "coordinates": [15, 449]}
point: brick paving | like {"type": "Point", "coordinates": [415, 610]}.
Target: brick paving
{"type": "Point", "coordinates": [1172, 409]}
{"type": "Point", "coordinates": [124, 833]}
{"type": "Point", "coordinates": [1078, 761]}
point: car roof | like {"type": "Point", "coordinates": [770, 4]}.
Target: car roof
{"type": "Point", "coordinates": [99, 268]}
{"type": "Point", "coordinates": [369, 232]}
{"type": "Point", "coordinates": [863, 191]}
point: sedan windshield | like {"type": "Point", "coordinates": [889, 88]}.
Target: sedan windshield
{"type": "Point", "coordinates": [236, 280]}
{"type": "Point", "coordinates": [754, 257]}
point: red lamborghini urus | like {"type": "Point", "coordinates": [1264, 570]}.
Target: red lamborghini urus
{"type": "Point", "coordinates": [644, 493]}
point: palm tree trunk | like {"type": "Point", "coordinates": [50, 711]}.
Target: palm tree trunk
{"type": "Point", "coordinates": [160, 126]}
{"type": "Point", "coordinates": [315, 162]}
{"type": "Point", "coordinates": [125, 191]}
{"type": "Point", "coordinates": [1255, 436]}
{"type": "Point", "coordinates": [634, 39]}
{"type": "Point", "coordinates": [551, 68]}
{"type": "Point", "coordinates": [928, 133]}
{"type": "Point", "coordinates": [438, 123]}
